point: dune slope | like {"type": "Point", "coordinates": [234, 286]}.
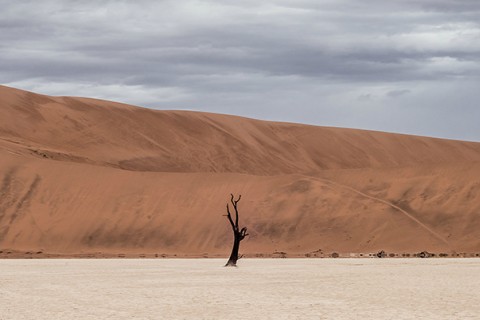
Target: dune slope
{"type": "Point", "coordinates": [80, 175]}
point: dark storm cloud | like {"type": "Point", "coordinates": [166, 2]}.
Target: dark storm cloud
{"type": "Point", "coordinates": [339, 62]}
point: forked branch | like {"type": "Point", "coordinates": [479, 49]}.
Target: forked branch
{"type": "Point", "coordinates": [235, 206]}
{"type": "Point", "coordinates": [243, 233]}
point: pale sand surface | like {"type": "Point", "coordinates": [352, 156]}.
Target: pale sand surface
{"type": "Point", "coordinates": [258, 289]}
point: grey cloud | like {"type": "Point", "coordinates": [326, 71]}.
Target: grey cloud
{"type": "Point", "coordinates": [324, 62]}
{"type": "Point", "coordinates": [397, 93]}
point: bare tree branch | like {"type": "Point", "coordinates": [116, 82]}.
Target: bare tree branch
{"type": "Point", "coordinates": [229, 216]}
{"type": "Point", "coordinates": [235, 203]}
{"type": "Point", "coordinates": [243, 233]}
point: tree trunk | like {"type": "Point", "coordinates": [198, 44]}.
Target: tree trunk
{"type": "Point", "coordinates": [232, 261]}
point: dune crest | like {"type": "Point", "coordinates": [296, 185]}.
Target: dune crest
{"type": "Point", "coordinates": [80, 175]}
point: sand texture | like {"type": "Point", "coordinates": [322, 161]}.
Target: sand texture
{"type": "Point", "coordinates": [84, 176]}
{"type": "Point", "coordinates": [259, 289]}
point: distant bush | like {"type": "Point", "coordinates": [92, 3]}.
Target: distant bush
{"type": "Point", "coordinates": [381, 254]}
{"type": "Point", "coordinates": [424, 254]}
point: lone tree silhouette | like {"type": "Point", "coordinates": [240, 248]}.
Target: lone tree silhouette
{"type": "Point", "coordinates": [238, 234]}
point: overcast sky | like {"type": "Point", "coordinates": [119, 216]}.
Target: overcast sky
{"type": "Point", "coordinates": [410, 66]}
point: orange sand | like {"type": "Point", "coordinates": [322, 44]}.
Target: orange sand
{"type": "Point", "coordinates": [81, 175]}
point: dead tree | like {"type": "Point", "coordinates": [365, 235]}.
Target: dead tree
{"type": "Point", "coordinates": [238, 234]}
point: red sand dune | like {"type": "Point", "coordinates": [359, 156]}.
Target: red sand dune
{"type": "Point", "coordinates": [81, 175]}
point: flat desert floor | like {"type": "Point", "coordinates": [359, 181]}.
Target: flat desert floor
{"type": "Point", "coordinates": [257, 289]}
